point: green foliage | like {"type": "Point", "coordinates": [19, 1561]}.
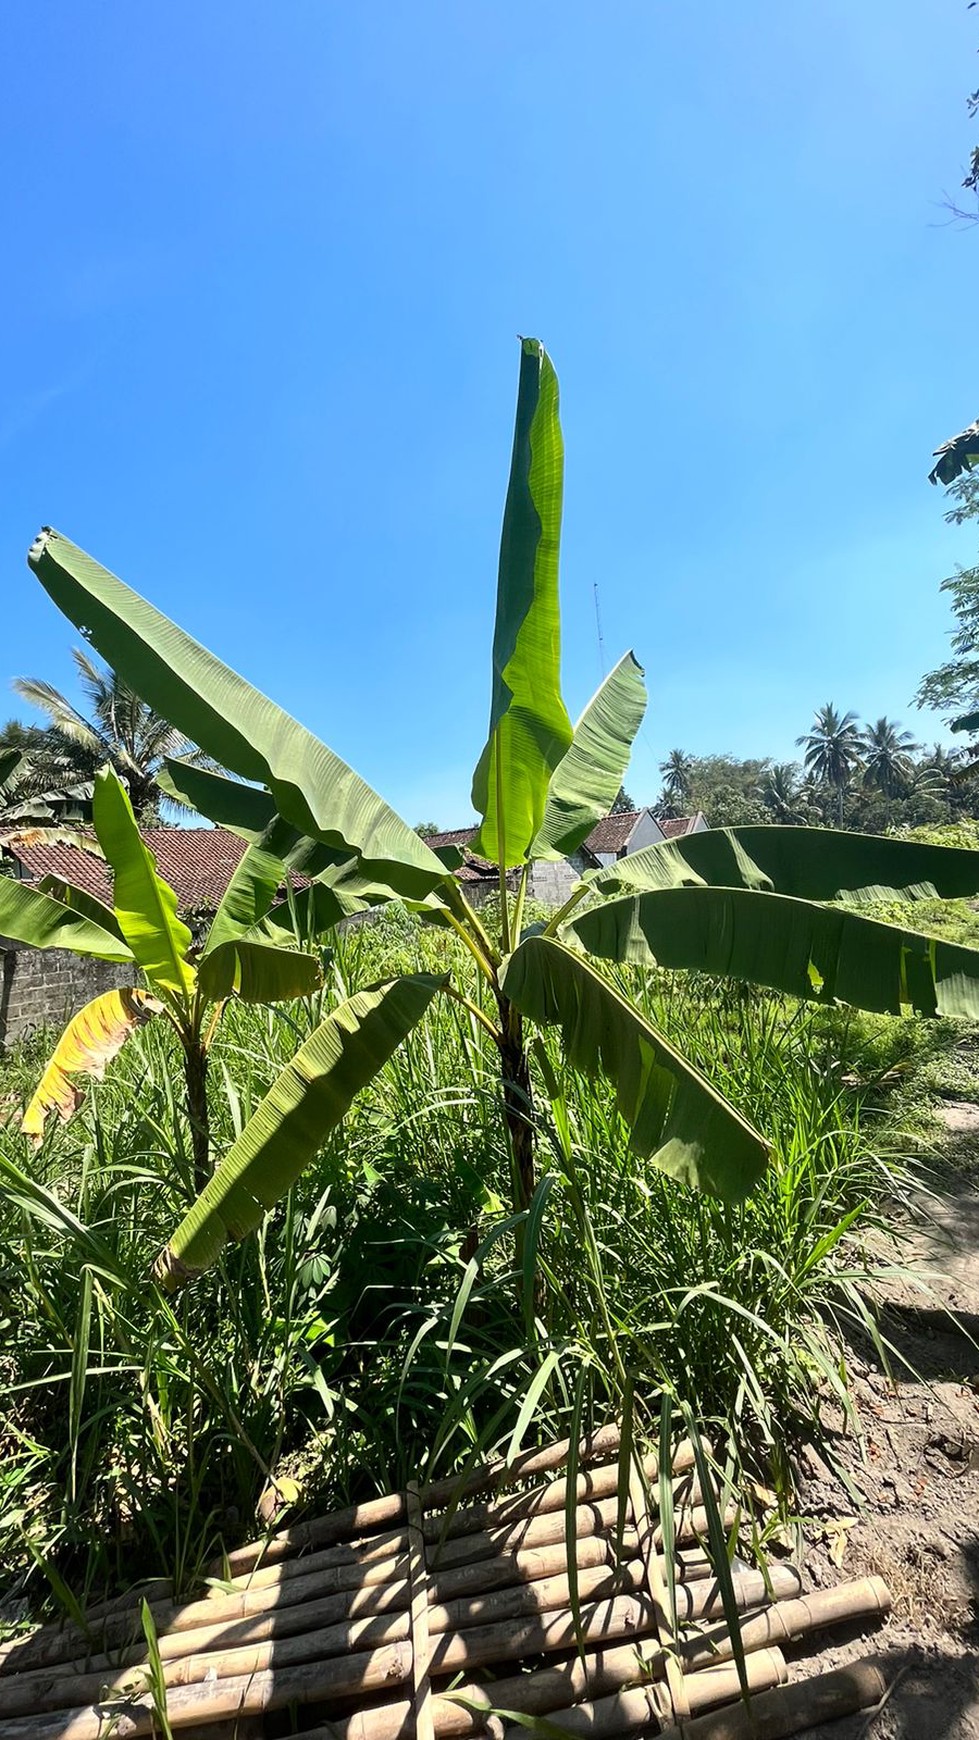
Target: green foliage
{"type": "Point", "coordinates": [367, 1333]}
{"type": "Point", "coordinates": [954, 686]}
{"type": "Point", "coordinates": [529, 729]}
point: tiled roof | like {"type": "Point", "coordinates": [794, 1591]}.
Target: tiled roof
{"type": "Point", "coordinates": [87, 870]}
{"type": "Point", "coordinates": [612, 833]}
{"type": "Point", "coordinates": [454, 837]}
{"type": "Point", "coordinates": [471, 869]}
{"type": "Point", "coordinates": [198, 863]}
{"type": "Point", "coordinates": [677, 826]}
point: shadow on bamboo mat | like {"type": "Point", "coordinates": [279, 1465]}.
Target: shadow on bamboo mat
{"type": "Point", "coordinates": [518, 1598]}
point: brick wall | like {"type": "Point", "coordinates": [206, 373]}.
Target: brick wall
{"type": "Point", "coordinates": [44, 987]}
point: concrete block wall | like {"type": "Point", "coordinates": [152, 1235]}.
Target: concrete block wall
{"type": "Point", "coordinates": [45, 987]}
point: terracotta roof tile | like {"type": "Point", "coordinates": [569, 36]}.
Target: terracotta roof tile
{"type": "Point", "coordinates": [612, 833]}
{"type": "Point", "coordinates": [677, 826]}
{"type": "Point", "coordinates": [198, 863]}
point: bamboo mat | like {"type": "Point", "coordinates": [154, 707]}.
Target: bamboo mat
{"type": "Point", "coordinates": [519, 1596]}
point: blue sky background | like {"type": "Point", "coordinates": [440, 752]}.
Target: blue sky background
{"type": "Point", "coordinates": [264, 271]}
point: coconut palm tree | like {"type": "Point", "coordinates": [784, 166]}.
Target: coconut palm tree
{"type": "Point", "coordinates": [833, 750]}
{"type": "Point", "coordinates": [887, 752]}
{"type": "Point", "coordinates": [677, 771]}
{"type": "Point", "coordinates": [782, 793]}
{"type": "Point", "coordinates": [121, 730]}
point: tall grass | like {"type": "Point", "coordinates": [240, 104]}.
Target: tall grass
{"type": "Point", "coordinates": [376, 1327]}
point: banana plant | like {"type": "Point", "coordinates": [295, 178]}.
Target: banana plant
{"type": "Point", "coordinates": [142, 929]}
{"type": "Point", "coordinates": [773, 906]}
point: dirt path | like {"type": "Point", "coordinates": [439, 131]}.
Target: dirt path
{"type": "Point", "coordinates": [918, 1524]}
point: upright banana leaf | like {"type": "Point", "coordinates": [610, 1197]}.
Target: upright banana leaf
{"type": "Point", "coordinates": [90, 1041]}
{"type": "Point", "coordinates": [40, 921]}
{"type": "Point", "coordinates": [674, 1115]}
{"type": "Point", "coordinates": [257, 972]}
{"type": "Point", "coordinates": [232, 722]}
{"type": "Point", "coordinates": [247, 898]}
{"type": "Point", "coordinates": [821, 952]}
{"type": "Point", "coordinates": [145, 905]}
{"type": "Point", "coordinates": [585, 783]}
{"type": "Point", "coordinates": [529, 729]}
{"type": "Point", "coordinates": [303, 1105]}
{"type": "Point", "coordinates": [810, 863]}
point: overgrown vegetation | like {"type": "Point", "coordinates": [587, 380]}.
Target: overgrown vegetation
{"type": "Point", "coordinates": [368, 1331]}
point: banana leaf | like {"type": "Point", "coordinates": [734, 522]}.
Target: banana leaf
{"type": "Point", "coordinates": [585, 783]}
{"type": "Point", "coordinates": [91, 1039]}
{"type": "Point", "coordinates": [675, 1117]}
{"type": "Point", "coordinates": [303, 1105]}
{"type": "Point", "coordinates": [42, 922]}
{"type": "Point", "coordinates": [257, 972]}
{"type": "Point", "coordinates": [529, 730]}
{"type": "Point", "coordinates": [79, 899]}
{"type": "Point", "coordinates": [145, 905]}
{"type": "Point", "coordinates": [235, 724]}
{"type": "Point", "coordinates": [809, 863]}
{"type": "Point", "coordinates": [823, 952]}
{"type": "Point", "coordinates": [242, 809]}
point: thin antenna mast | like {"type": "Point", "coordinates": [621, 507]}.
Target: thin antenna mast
{"type": "Point", "coordinates": [598, 625]}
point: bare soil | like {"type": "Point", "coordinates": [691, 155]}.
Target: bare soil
{"type": "Point", "coordinates": [913, 1517]}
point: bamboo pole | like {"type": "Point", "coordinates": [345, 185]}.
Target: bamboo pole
{"type": "Point", "coordinates": [219, 1656]}
{"type": "Point", "coordinates": [387, 1512]}
{"type": "Point", "coordinates": [347, 1675]}
{"type": "Point", "coordinates": [641, 1707]}
{"type": "Point", "coordinates": [61, 1643]}
{"type": "Point", "coordinates": [604, 1670]}
{"type": "Point", "coordinates": [776, 1715]}
{"type": "Point", "coordinates": [590, 1487]}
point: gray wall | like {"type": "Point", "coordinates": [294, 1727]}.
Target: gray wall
{"type": "Point", "coordinates": [44, 987]}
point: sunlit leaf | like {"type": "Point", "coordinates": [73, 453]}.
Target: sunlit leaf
{"type": "Point", "coordinates": [529, 729]}
{"type": "Point", "coordinates": [303, 1105]}
{"type": "Point", "coordinates": [91, 1040]}
{"type": "Point", "coordinates": [674, 1115]}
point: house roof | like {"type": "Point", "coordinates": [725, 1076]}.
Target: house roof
{"type": "Point", "coordinates": [471, 869]}
{"type": "Point", "coordinates": [677, 826]}
{"type": "Point", "coordinates": [198, 863]}
{"type": "Point", "coordinates": [612, 833]}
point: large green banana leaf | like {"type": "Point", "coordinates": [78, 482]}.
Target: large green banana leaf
{"type": "Point", "coordinates": [303, 1105]}
{"type": "Point", "coordinates": [242, 809]}
{"type": "Point", "coordinates": [234, 723]}
{"type": "Point", "coordinates": [89, 905]}
{"type": "Point", "coordinates": [145, 905]}
{"type": "Point", "coordinates": [529, 728]}
{"type": "Point", "coordinates": [42, 922]}
{"type": "Point", "coordinates": [257, 972]}
{"type": "Point", "coordinates": [810, 863]}
{"type": "Point", "coordinates": [823, 952]}
{"type": "Point", "coordinates": [585, 783]}
{"type": "Point", "coordinates": [674, 1115]}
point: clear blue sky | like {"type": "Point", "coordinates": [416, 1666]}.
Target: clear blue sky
{"type": "Point", "coordinates": [263, 271]}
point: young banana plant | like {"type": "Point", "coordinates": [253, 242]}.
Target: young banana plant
{"type": "Point", "coordinates": [142, 929]}
{"type": "Point", "coordinates": [751, 902]}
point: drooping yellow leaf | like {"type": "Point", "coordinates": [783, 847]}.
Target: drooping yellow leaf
{"type": "Point", "coordinates": [90, 1041]}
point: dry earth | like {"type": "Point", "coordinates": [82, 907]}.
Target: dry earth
{"type": "Point", "coordinates": [917, 1519]}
